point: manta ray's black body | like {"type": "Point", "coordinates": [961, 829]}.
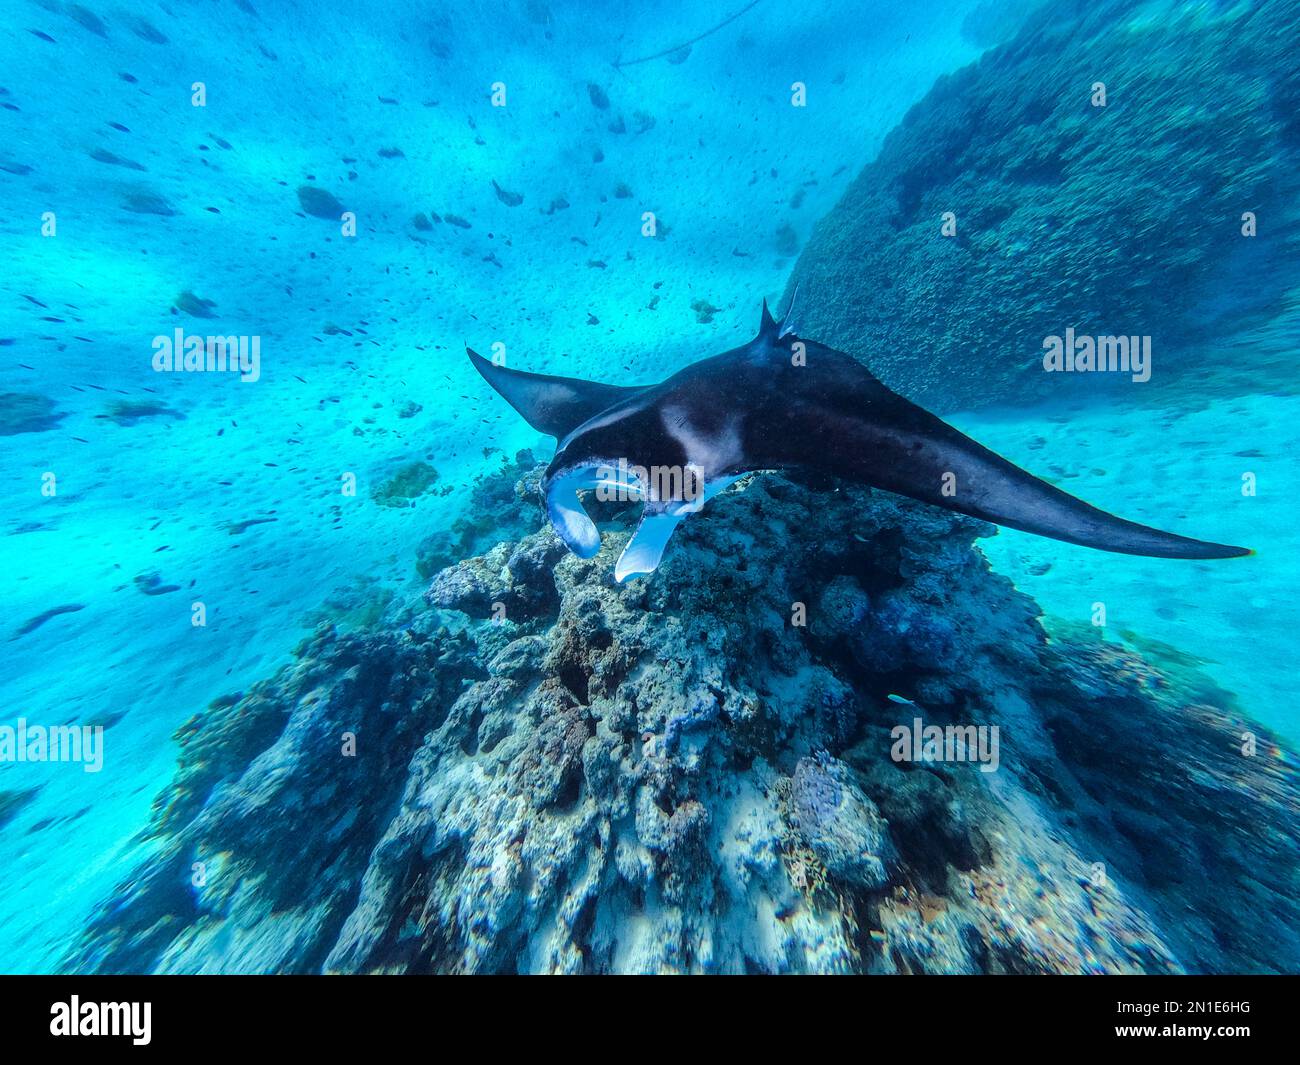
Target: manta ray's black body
{"type": "Point", "coordinates": [784, 402]}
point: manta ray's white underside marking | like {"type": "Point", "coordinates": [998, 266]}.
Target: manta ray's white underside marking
{"type": "Point", "coordinates": [718, 449]}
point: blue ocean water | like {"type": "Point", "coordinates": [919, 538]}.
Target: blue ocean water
{"type": "Point", "coordinates": [365, 189]}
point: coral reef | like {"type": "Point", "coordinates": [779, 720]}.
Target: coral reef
{"type": "Point", "coordinates": [32, 624]}
{"type": "Point", "coordinates": [127, 412]}
{"type": "Point", "coordinates": [496, 512]}
{"type": "Point", "coordinates": [1125, 218]}
{"type": "Point", "coordinates": [195, 306]}
{"type": "Point", "coordinates": [319, 203]}
{"type": "Point", "coordinates": [405, 485]}
{"type": "Point", "coordinates": [27, 412]}
{"type": "Point", "coordinates": [533, 769]}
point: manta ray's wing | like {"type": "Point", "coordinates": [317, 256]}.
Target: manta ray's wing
{"type": "Point", "coordinates": [890, 442]}
{"type": "Point", "coordinates": [551, 405]}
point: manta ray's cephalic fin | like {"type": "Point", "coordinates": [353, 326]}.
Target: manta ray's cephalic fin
{"type": "Point", "coordinates": [551, 405]}
{"type": "Point", "coordinates": [646, 548]}
{"type": "Point", "coordinates": [659, 519]}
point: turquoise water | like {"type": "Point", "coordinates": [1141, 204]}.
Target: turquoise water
{"type": "Point", "coordinates": [172, 490]}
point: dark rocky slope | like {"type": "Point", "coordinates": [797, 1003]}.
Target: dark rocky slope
{"type": "Point", "coordinates": [1122, 219]}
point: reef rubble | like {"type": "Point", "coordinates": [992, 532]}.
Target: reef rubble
{"type": "Point", "coordinates": [530, 768]}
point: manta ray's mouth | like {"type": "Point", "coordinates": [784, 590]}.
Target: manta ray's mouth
{"type": "Point", "coordinates": [618, 481]}
{"type": "Point", "coordinates": [565, 510]}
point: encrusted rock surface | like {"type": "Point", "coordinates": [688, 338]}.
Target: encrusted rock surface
{"type": "Point", "coordinates": [554, 773]}
{"type": "Point", "coordinates": [1118, 219]}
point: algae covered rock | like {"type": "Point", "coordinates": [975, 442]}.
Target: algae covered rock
{"type": "Point", "coordinates": [839, 822]}
{"type": "Point", "coordinates": [319, 203]}
{"type": "Point", "coordinates": [27, 412]}
{"type": "Point", "coordinates": [405, 486]}
{"type": "Point", "coordinates": [128, 412]}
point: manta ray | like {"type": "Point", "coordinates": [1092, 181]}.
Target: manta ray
{"type": "Point", "coordinates": [782, 402]}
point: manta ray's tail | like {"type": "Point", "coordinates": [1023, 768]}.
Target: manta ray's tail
{"type": "Point", "coordinates": [918, 455]}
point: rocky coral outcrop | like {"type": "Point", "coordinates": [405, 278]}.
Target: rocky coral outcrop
{"type": "Point", "coordinates": [494, 513]}
{"type": "Point", "coordinates": [1117, 216]}
{"type": "Point", "coordinates": [700, 772]}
